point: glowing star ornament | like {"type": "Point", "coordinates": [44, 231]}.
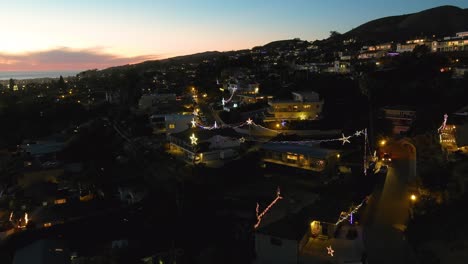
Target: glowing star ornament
{"type": "Point", "coordinates": [193, 139]}
{"type": "Point", "coordinates": [249, 121]}
{"type": "Point", "coordinates": [242, 140]}
{"type": "Point", "coordinates": [194, 123]}
{"type": "Point", "coordinates": [330, 251]}
{"type": "Point", "coordinates": [358, 133]}
{"type": "Point", "coordinates": [344, 139]}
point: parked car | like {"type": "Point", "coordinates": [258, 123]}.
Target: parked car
{"type": "Point", "coordinates": [386, 158]}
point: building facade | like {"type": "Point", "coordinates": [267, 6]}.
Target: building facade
{"type": "Point", "coordinates": [304, 106]}
{"type": "Point", "coordinates": [300, 156]}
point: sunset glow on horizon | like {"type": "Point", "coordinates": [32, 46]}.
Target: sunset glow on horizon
{"type": "Point", "coordinates": [80, 35]}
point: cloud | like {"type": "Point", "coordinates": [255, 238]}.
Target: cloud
{"type": "Point", "coordinates": [65, 58]}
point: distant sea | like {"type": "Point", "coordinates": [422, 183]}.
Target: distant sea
{"type": "Point", "coordinates": [22, 75]}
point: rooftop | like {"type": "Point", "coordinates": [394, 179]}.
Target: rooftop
{"type": "Point", "coordinates": [315, 152]}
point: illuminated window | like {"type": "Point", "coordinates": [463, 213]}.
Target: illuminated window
{"type": "Point", "coordinates": [171, 126]}
{"type": "Point", "coordinates": [292, 157]}
{"type": "Point", "coordinates": [307, 106]}
{"type": "Point", "coordinates": [47, 224]}
{"type": "Point", "coordinates": [60, 201]}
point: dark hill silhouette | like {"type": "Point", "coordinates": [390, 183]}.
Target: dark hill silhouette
{"type": "Point", "coordinates": [439, 21]}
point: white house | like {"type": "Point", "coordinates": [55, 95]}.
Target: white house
{"type": "Point", "coordinates": [302, 239]}
{"type": "Point", "coordinates": [304, 106]}
{"type": "Point", "coordinates": [211, 147]}
{"type": "Point", "coordinates": [149, 101]}
{"type": "Point", "coordinates": [401, 117]}
{"type": "Point", "coordinates": [170, 123]}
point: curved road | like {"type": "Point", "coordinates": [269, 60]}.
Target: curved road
{"type": "Point", "coordinates": [389, 210]}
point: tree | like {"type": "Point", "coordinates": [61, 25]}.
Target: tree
{"type": "Point", "coordinates": [12, 84]}
{"type": "Point", "coordinates": [421, 50]}
{"type": "Point", "coordinates": [334, 34]}
{"type": "Point", "coordinates": [61, 85]}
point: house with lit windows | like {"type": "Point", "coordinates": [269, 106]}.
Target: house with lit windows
{"type": "Point", "coordinates": [454, 135]}
{"type": "Point", "coordinates": [212, 147]}
{"type": "Point", "coordinates": [411, 44]}
{"type": "Point", "coordinates": [170, 123]}
{"type": "Point", "coordinates": [303, 238]}
{"type": "Point", "coordinates": [450, 44]}
{"type": "Point", "coordinates": [303, 157]}
{"type": "Point", "coordinates": [303, 106]}
{"type": "Point", "coordinates": [401, 117]}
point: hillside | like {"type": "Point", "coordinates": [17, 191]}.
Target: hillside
{"type": "Point", "coordinates": [440, 21]}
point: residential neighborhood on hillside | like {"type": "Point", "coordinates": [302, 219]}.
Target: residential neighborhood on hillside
{"type": "Point", "coordinates": [349, 149]}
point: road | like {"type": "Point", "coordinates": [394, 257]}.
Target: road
{"type": "Point", "coordinates": [389, 210]}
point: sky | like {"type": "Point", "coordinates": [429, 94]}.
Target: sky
{"type": "Point", "coordinates": [46, 35]}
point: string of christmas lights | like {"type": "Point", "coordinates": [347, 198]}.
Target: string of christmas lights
{"type": "Point", "coordinates": [223, 101]}
{"type": "Point", "coordinates": [444, 124]}
{"type": "Point", "coordinates": [344, 139]}
{"type": "Point", "coordinates": [260, 216]}
{"type": "Point", "coordinates": [345, 216]}
{"type": "Point", "coordinates": [366, 146]}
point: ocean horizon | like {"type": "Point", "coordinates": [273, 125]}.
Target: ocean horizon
{"type": "Point", "coordinates": [24, 75]}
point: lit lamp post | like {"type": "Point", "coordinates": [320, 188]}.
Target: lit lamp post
{"type": "Point", "coordinates": [383, 142]}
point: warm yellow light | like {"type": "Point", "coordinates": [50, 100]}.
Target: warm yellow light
{"type": "Point", "coordinates": [413, 197]}
{"type": "Point", "coordinates": [383, 142]}
{"type": "Point", "coordinates": [338, 155]}
{"type": "Point", "coordinates": [277, 125]}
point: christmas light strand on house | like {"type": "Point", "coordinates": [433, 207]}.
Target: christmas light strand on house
{"type": "Point", "coordinates": [444, 124]}
{"type": "Point", "coordinates": [344, 139]}
{"type": "Point", "coordinates": [223, 101]}
{"type": "Point", "coordinates": [345, 216]}
{"type": "Point", "coordinates": [260, 216]}
{"type": "Point", "coordinates": [366, 148]}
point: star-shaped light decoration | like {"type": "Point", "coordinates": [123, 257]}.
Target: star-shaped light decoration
{"type": "Point", "coordinates": [344, 139]}
{"type": "Point", "coordinates": [249, 121]}
{"type": "Point", "coordinates": [194, 139]}
{"type": "Point", "coordinates": [242, 140]}
{"type": "Point", "coordinates": [358, 133]}
{"type": "Point", "coordinates": [194, 123]}
{"type": "Point", "coordinates": [195, 113]}
{"type": "Point", "coordinates": [330, 251]}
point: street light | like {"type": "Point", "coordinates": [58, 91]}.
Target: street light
{"type": "Point", "coordinates": [383, 142]}
{"type": "Point", "coordinates": [413, 198]}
